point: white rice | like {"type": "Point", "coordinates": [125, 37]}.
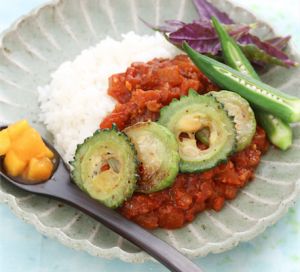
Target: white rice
{"type": "Point", "coordinates": [76, 100]}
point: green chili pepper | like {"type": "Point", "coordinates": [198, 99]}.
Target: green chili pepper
{"type": "Point", "coordinates": [279, 132]}
{"type": "Point", "coordinates": [233, 55]}
{"type": "Point", "coordinates": [258, 93]}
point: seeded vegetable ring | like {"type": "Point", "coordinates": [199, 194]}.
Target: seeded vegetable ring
{"type": "Point", "coordinates": [185, 117]}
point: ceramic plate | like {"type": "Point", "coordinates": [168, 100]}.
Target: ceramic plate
{"type": "Point", "coordinates": [36, 45]}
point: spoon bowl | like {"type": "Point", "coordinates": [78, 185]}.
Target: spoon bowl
{"type": "Point", "coordinates": [61, 187]}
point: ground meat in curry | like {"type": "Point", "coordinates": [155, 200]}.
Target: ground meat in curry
{"type": "Point", "coordinates": [141, 92]}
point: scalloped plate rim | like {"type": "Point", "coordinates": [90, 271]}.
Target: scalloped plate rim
{"type": "Point", "coordinates": [140, 257]}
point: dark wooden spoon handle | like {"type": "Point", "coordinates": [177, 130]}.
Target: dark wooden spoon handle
{"type": "Point", "coordinates": [62, 188]}
{"type": "Point", "coordinates": [157, 248]}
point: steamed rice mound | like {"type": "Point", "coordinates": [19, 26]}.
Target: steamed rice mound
{"type": "Point", "coordinates": [76, 99]}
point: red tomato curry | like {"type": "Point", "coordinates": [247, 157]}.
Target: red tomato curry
{"type": "Point", "coordinates": [141, 92]}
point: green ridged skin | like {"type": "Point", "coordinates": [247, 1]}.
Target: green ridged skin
{"type": "Point", "coordinates": [189, 115]}
{"type": "Point", "coordinates": [243, 116]}
{"type": "Point", "coordinates": [109, 186]}
{"type": "Point", "coordinates": [157, 151]}
{"type": "Point", "coordinates": [259, 94]}
{"type": "Point", "coordinates": [279, 132]}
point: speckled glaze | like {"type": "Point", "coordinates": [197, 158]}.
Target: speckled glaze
{"type": "Point", "coordinates": [36, 45]}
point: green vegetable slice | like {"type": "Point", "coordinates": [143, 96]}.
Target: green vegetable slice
{"type": "Point", "coordinates": [190, 114]}
{"type": "Point", "coordinates": [157, 151]}
{"type": "Point", "coordinates": [105, 166]}
{"type": "Point", "coordinates": [243, 116]}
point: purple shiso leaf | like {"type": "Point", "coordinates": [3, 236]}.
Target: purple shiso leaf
{"type": "Point", "coordinates": [194, 31]}
{"type": "Point", "coordinates": [206, 10]}
{"type": "Point", "coordinates": [271, 54]}
{"type": "Point", "coordinates": [170, 26]}
{"type": "Point", "coordinates": [174, 24]}
{"type": "Point", "coordinates": [270, 50]}
{"type": "Point", "coordinates": [279, 42]}
{"type": "Point", "coordinates": [201, 36]}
